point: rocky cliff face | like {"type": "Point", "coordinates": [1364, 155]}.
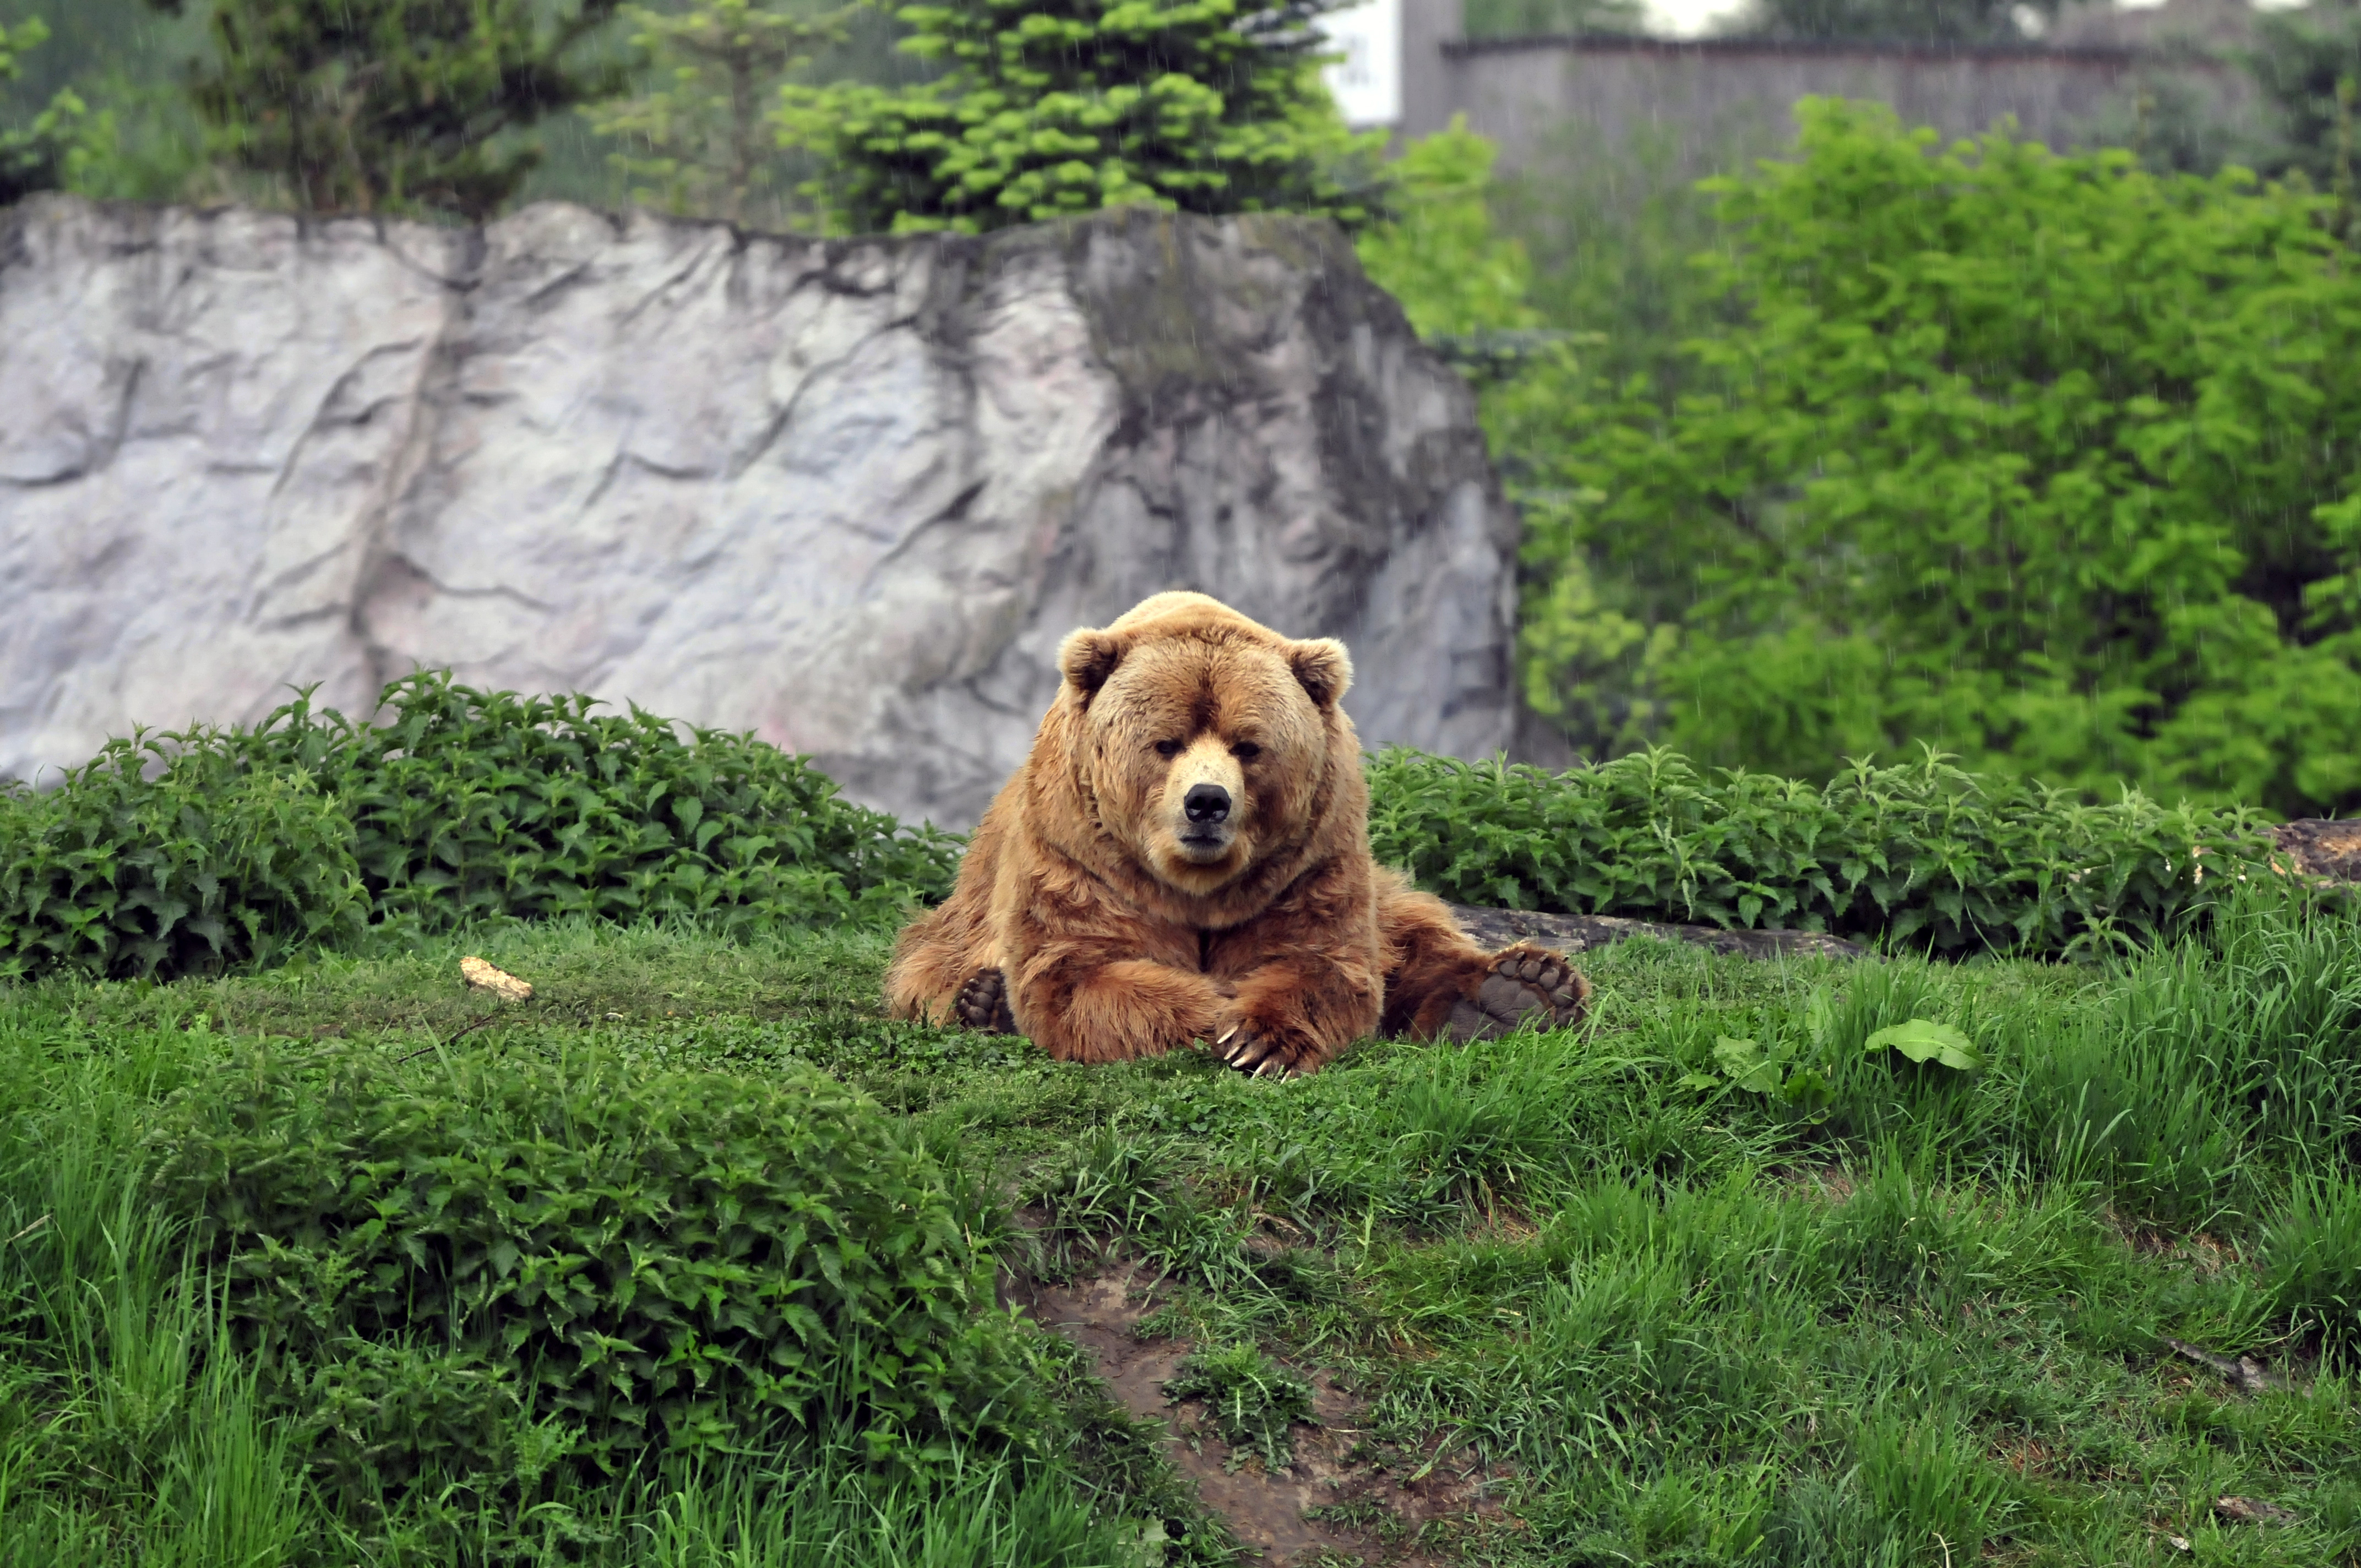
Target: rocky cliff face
{"type": "Point", "coordinates": [846, 494]}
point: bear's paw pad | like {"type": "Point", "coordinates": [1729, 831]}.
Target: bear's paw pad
{"type": "Point", "coordinates": [983, 1003]}
{"type": "Point", "coordinates": [1525, 985]}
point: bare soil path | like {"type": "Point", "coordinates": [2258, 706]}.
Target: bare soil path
{"type": "Point", "coordinates": [1337, 1475]}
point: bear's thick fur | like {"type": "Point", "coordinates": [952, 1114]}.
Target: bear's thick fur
{"type": "Point", "coordinates": [1185, 857]}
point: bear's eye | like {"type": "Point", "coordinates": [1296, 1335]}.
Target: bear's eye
{"type": "Point", "coordinates": [1167, 747]}
{"type": "Point", "coordinates": [1246, 751]}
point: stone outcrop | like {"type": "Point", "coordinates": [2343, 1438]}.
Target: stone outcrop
{"type": "Point", "coordinates": [2321, 851]}
{"type": "Point", "coordinates": [1573, 934]}
{"type": "Point", "coordinates": [846, 494]}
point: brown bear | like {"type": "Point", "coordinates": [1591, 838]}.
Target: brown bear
{"type": "Point", "coordinates": [1185, 857]}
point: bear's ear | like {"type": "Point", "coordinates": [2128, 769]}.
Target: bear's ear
{"type": "Point", "coordinates": [1086, 658]}
{"type": "Point", "coordinates": [1324, 667]}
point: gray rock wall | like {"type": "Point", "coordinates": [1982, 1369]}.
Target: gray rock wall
{"type": "Point", "coordinates": [846, 494]}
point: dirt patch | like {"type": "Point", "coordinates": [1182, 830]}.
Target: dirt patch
{"type": "Point", "coordinates": [1829, 1183]}
{"type": "Point", "coordinates": [1341, 1500]}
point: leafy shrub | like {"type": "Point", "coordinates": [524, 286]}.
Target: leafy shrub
{"type": "Point", "coordinates": [1051, 107]}
{"type": "Point", "coordinates": [1438, 253]}
{"type": "Point", "coordinates": [2042, 459]}
{"type": "Point", "coordinates": [468, 803]}
{"type": "Point", "coordinates": [117, 873]}
{"type": "Point", "coordinates": [462, 803]}
{"type": "Point", "coordinates": [1925, 854]}
{"type": "Point", "coordinates": [37, 157]}
{"type": "Point", "coordinates": [494, 1269]}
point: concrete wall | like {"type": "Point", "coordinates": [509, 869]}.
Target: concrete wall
{"type": "Point", "coordinates": [1709, 104]}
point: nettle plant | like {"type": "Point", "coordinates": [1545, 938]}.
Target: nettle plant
{"type": "Point", "coordinates": [487, 1270]}
{"type": "Point", "coordinates": [189, 851]}
{"type": "Point", "coordinates": [162, 855]}
{"type": "Point", "coordinates": [1924, 854]}
{"type": "Point", "coordinates": [1047, 108]}
{"type": "Point", "coordinates": [469, 803]}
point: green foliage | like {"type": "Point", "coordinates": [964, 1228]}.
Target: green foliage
{"type": "Point", "coordinates": [2044, 460]}
{"type": "Point", "coordinates": [1616, 233]}
{"type": "Point", "coordinates": [1251, 1399]}
{"type": "Point", "coordinates": [1924, 854]}
{"type": "Point", "coordinates": [394, 106]}
{"type": "Point", "coordinates": [700, 136]}
{"type": "Point", "coordinates": [2312, 1258]}
{"type": "Point", "coordinates": [116, 872]}
{"type": "Point", "coordinates": [467, 804]}
{"type": "Point", "coordinates": [1437, 252]}
{"type": "Point", "coordinates": [40, 156]}
{"type": "Point", "coordinates": [1678, 1327]}
{"type": "Point", "coordinates": [1745, 1064]}
{"type": "Point", "coordinates": [2305, 63]}
{"type": "Point", "coordinates": [1053, 108]}
{"type": "Point", "coordinates": [460, 804]}
{"type": "Point", "coordinates": [135, 136]}
{"type": "Point", "coordinates": [639, 1263]}
{"type": "Point", "coordinates": [1924, 1040]}
{"type": "Point", "coordinates": [139, 1422]}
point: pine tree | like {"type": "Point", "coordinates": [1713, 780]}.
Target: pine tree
{"type": "Point", "coordinates": [706, 130]}
{"type": "Point", "coordinates": [1056, 107]}
{"type": "Point", "coordinates": [394, 105]}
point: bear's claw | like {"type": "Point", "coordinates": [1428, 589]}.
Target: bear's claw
{"type": "Point", "coordinates": [1525, 985]}
{"type": "Point", "coordinates": [983, 1003]}
{"type": "Point", "coordinates": [1251, 1052]}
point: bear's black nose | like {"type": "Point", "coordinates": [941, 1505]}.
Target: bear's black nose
{"type": "Point", "coordinates": [1206, 803]}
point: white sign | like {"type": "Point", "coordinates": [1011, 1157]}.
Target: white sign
{"type": "Point", "coordinates": [1368, 80]}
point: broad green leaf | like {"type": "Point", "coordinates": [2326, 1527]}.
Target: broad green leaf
{"type": "Point", "coordinates": [1746, 1065]}
{"type": "Point", "coordinates": [1922, 1040]}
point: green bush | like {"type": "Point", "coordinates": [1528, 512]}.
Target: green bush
{"type": "Point", "coordinates": [1052, 107]}
{"type": "Point", "coordinates": [1438, 253]}
{"type": "Point", "coordinates": [117, 873]}
{"type": "Point", "coordinates": [2042, 459]}
{"type": "Point", "coordinates": [468, 803]}
{"type": "Point", "coordinates": [491, 1270]}
{"type": "Point", "coordinates": [460, 804]}
{"type": "Point", "coordinates": [41, 155]}
{"type": "Point", "coordinates": [1924, 854]}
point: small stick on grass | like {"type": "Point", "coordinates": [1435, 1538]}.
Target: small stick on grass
{"type": "Point", "coordinates": [446, 1044]}
{"type": "Point", "coordinates": [2245, 1372]}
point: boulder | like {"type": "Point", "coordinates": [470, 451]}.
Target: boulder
{"type": "Point", "coordinates": [1572, 933]}
{"type": "Point", "coordinates": [845, 494]}
{"type": "Point", "coordinates": [2321, 851]}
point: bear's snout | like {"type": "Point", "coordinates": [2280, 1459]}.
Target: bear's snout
{"type": "Point", "coordinates": [1203, 810]}
{"type": "Point", "coordinates": [1206, 803]}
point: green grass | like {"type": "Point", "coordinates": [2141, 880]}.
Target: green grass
{"type": "Point", "coordinates": [1920, 1316]}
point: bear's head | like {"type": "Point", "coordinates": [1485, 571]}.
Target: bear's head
{"type": "Point", "coordinates": [1208, 744]}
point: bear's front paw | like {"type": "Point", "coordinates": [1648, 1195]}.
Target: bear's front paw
{"type": "Point", "coordinates": [1259, 1053]}
{"type": "Point", "coordinates": [983, 1003]}
{"type": "Point", "coordinates": [1525, 985]}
